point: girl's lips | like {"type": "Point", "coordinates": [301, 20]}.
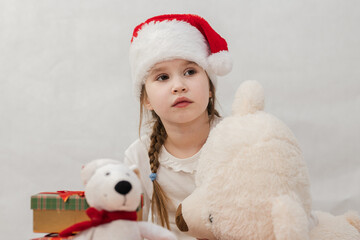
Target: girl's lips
{"type": "Point", "coordinates": [181, 102]}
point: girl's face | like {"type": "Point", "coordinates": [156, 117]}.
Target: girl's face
{"type": "Point", "coordinates": [177, 90]}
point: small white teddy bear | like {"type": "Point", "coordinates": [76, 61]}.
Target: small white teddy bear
{"type": "Point", "coordinates": [113, 191]}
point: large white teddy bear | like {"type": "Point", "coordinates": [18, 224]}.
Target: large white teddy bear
{"type": "Point", "coordinates": [251, 181]}
{"type": "Point", "coordinates": [113, 191]}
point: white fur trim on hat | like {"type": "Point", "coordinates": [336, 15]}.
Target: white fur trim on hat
{"type": "Point", "coordinates": [161, 41]}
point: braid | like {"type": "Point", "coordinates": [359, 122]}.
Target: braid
{"type": "Point", "coordinates": [159, 198]}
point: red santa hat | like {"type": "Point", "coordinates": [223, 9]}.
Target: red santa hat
{"type": "Point", "coordinates": [177, 36]}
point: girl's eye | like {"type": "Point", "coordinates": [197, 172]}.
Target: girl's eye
{"type": "Point", "coordinates": [162, 77]}
{"type": "Point", "coordinates": [190, 72]}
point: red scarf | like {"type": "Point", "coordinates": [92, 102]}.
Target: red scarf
{"type": "Point", "coordinates": [97, 218]}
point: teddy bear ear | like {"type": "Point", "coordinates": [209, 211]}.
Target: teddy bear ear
{"type": "Point", "coordinates": [249, 98]}
{"type": "Point", "coordinates": [136, 170]}
{"type": "Point", "coordinates": [89, 169]}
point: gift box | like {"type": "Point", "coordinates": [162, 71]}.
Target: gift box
{"type": "Point", "coordinates": [55, 211]}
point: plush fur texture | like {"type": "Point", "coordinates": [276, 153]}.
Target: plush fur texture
{"type": "Point", "coordinates": [344, 227]}
{"type": "Point", "coordinates": [253, 184]}
{"type": "Point", "coordinates": [101, 176]}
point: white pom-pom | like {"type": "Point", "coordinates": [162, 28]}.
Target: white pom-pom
{"type": "Point", "coordinates": [249, 98]}
{"type": "Point", "coordinates": [220, 63]}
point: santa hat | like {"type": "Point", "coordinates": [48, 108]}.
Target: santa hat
{"type": "Point", "coordinates": [177, 36]}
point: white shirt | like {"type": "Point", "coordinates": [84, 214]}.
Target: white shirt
{"type": "Point", "coordinates": [176, 177]}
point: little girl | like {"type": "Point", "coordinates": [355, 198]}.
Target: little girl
{"type": "Point", "coordinates": [174, 63]}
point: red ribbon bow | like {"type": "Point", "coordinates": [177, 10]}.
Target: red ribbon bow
{"type": "Point", "coordinates": [66, 194]}
{"type": "Point", "coordinates": [97, 218]}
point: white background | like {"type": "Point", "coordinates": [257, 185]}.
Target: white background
{"type": "Point", "coordinates": [66, 94]}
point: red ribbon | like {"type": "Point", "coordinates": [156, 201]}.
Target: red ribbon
{"type": "Point", "coordinates": [97, 218]}
{"type": "Point", "coordinates": [66, 194]}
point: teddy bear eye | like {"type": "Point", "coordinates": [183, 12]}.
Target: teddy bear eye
{"type": "Point", "coordinates": [107, 173]}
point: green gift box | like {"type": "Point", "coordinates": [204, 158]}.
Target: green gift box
{"type": "Point", "coordinates": [55, 211]}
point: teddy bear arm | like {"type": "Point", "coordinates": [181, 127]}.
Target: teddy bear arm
{"type": "Point", "coordinates": [191, 212]}
{"type": "Point", "coordinates": [152, 231]}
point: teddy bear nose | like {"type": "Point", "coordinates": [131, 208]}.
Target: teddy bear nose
{"type": "Point", "coordinates": [123, 187]}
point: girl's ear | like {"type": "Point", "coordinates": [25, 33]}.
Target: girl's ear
{"type": "Point", "coordinates": [145, 100]}
{"type": "Point", "coordinates": [147, 104]}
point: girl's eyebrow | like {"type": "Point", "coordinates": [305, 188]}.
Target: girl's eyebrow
{"type": "Point", "coordinates": [189, 63]}
{"type": "Point", "coordinates": [161, 69]}
{"type": "Point", "coordinates": [156, 70]}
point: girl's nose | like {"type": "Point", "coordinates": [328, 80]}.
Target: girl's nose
{"type": "Point", "coordinates": [179, 87]}
{"type": "Point", "coordinates": [178, 90]}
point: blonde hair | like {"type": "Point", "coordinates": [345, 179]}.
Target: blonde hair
{"type": "Point", "coordinates": [157, 139]}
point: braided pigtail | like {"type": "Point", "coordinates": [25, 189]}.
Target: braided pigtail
{"type": "Point", "coordinates": [159, 198]}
